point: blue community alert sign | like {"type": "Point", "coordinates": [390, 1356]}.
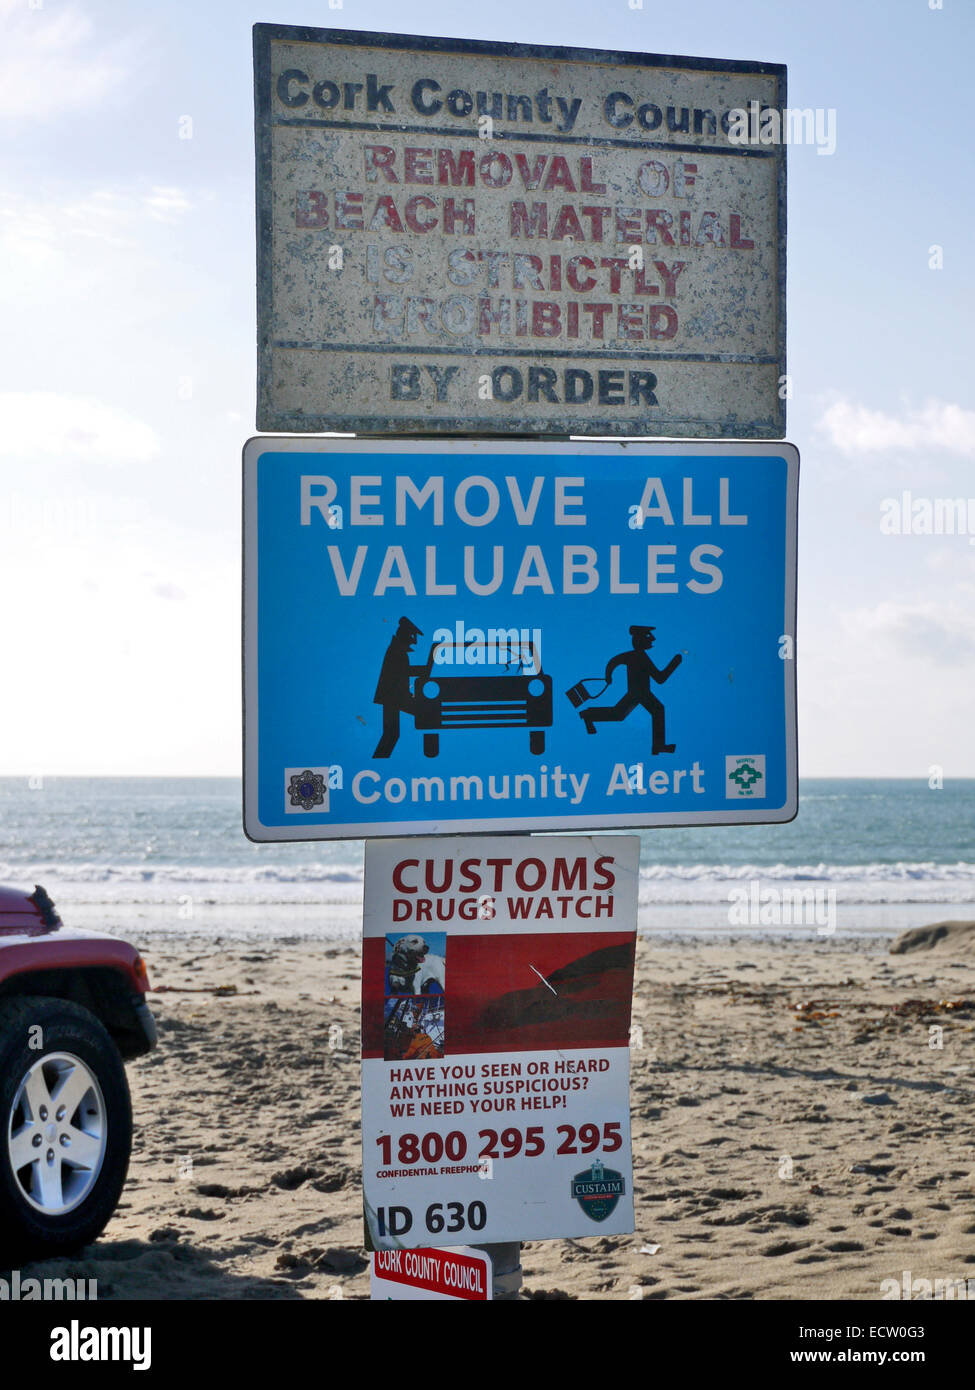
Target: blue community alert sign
{"type": "Point", "coordinates": [453, 636]}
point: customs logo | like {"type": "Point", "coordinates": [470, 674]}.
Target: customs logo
{"type": "Point", "coordinates": [597, 1190]}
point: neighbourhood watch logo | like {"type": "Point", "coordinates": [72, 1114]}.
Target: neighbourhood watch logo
{"type": "Point", "coordinates": [745, 776]}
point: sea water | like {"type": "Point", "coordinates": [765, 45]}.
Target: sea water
{"type": "Point", "coordinates": [169, 855]}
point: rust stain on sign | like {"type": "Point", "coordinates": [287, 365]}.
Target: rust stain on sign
{"type": "Point", "coordinates": [469, 237]}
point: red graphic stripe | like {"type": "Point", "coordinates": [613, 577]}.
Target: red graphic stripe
{"type": "Point", "coordinates": [496, 1002]}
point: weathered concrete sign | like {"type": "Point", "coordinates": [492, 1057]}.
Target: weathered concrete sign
{"type": "Point", "coordinates": [463, 236]}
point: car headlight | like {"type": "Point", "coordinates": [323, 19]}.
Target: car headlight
{"type": "Point", "coordinates": [536, 686]}
{"type": "Point", "coordinates": [431, 690]}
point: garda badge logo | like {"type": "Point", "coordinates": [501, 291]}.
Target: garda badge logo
{"type": "Point", "coordinates": [306, 789]}
{"type": "Point", "coordinates": [597, 1190]}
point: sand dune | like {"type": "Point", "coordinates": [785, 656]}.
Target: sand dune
{"type": "Point", "coordinates": [955, 939]}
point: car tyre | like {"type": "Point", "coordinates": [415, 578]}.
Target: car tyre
{"type": "Point", "coordinates": [536, 741]}
{"type": "Point", "coordinates": [75, 1153]}
{"type": "Point", "coordinates": [431, 745]}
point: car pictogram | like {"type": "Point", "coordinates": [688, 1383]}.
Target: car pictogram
{"type": "Point", "coordinates": [482, 685]}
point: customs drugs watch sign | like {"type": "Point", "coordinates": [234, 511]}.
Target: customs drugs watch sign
{"type": "Point", "coordinates": [497, 979]}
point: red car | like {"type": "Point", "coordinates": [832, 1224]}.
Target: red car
{"type": "Point", "coordinates": [72, 1007]}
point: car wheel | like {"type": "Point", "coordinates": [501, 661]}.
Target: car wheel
{"type": "Point", "coordinates": [536, 741]}
{"type": "Point", "coordinates": [65, 1127]}
{"type": "Point", "coordinates": [431, 745]}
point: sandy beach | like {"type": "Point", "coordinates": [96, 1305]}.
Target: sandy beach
{"type": "Point", "coordinates": [801, 1129]}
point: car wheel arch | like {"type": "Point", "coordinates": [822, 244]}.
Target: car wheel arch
{"type": "Point", "coordinates": [101, 989]}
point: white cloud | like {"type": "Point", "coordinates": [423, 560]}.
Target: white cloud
{"type": "Point", "coordinates": [44, 425]}
{"type": "Point", "coordinates": [43, 230]}
{"type": "Point", "coordinates": [172, 592]}
{"type": "Point", "coordinates": [63, 251]}
{"type": "Point", "coordinates": [56, 45]}
{"type": "Point", "coordinates": [145, 685]}
{"type": "Point", "coordinates": [855, 429]}
{"type": "Point", "coordinates": [940, 632]}
{"type": "Point", "coordinates": [41, 236]}
{"type": "Point", "coordinates": [165, 204]}
{"type": "Point", "coordinates": [954, 565]}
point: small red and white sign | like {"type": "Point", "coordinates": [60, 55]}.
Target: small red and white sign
{"type": "Point", "coordinates": [461, 1274]}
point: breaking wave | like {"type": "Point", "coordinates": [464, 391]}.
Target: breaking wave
{"type": "Point", "coordinates": [341, 883]}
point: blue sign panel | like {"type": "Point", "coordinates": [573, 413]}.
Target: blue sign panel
{"type": "Point", "coordinates": [475, 635]}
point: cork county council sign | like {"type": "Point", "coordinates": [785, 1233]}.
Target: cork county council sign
{"type": "Point", "coordinates": [474, 635]}
{"type": "Point", "coordinates": [471, 237]}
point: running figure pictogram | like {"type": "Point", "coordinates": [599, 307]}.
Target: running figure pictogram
{"type": "Point", "coordinates": [640, 671]}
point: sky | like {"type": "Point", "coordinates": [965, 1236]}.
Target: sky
{"type": "Point", "coordinates": [128, 361]}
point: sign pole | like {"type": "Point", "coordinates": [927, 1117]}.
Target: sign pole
{"type": "Point", "coordinates": [506, 1266]}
